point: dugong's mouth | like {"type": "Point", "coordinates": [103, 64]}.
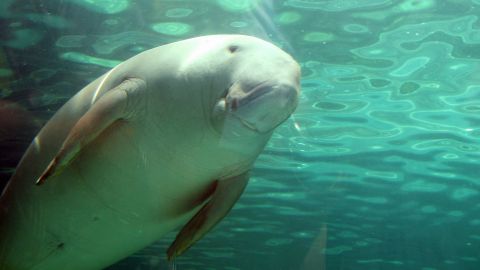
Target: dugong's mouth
{"type": "Point", "coordinates": [247, 124]}
{"type": "Point", "coordinates": [223, 113]}
{"type": "Point", "coordinates": [238, 96]}
{"type": "Point", "coordinates": [259, 107]}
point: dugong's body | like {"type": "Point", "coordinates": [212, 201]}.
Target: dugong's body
{"type": "Point", "coordinates": [163, 140]}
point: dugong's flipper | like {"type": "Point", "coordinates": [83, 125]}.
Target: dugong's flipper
{"type": "Point", "coordinates": [119, 103]}
{"type": "Point", "coordinates": [224, 197]}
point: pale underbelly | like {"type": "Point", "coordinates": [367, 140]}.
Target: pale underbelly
{"type": "Point", "coordinates": [96, 212]}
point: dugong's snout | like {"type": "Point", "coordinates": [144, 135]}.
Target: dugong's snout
{"type": "Point", "coordinates": [262, 91]}
{"type": "Point", "coordinates": [264, 106]}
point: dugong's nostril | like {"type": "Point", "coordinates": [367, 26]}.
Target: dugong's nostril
{"type": "Point", "coordinates": [232, 48]}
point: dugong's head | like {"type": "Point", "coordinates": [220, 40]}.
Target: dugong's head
{"type": "Point", "coordinates": [259, 88]}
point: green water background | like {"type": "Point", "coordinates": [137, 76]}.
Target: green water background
{"type": "Point", "coordinates": [377, 169]}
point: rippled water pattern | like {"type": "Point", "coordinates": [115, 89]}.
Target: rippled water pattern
{"type": "Point", "coordinates": [377, 169]}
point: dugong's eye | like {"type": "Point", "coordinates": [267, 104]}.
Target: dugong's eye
{"type": "Point", "coordinates": [233, 48]}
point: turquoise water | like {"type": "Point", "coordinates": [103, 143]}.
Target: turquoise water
{"type": "Point", "coordinates": [377, 168]}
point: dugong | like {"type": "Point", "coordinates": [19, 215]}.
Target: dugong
{"type": "Point", "coordinates": [163, 140]}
